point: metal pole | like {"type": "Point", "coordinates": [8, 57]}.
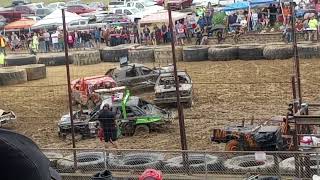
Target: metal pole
{"type": "Point", "coordinates": [294, 94]}
{"type": "Point", "coordinates": [65, 35]}
{"type": "Point", "coordinates": [295, 56]}
{"type": "Point", "coordinates": [183, 137]}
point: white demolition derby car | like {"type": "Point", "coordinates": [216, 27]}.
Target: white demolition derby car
{"type": "Point", "coordinates": [6, 117]}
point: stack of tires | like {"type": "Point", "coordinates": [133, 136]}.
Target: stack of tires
{"type": "Point", "coordinates": [18, 60]}
{"type": "Point", "coordinates": [223, 53]}
{"type": "Point", "coordinates": [54, 59]}
{"type": "Point", "coordinates": [195, 53]}
{"type": "Point", "coordinates": [114, 54]}
{"type": "Point", "coordinates": [276, 51]}
{"type": "Point", "coordinates": [251, 52]}
{"type": "Point", "coordinates": [163, 55]}
{"type": "Point", "coordinates": [141, 55]}
{"type": "Point", "coordinates": [86, 58]}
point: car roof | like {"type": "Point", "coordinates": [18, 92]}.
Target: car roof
{"type": "Point", "coordinates": [129, 66]}
{"type": "Point", "coordinates": [171, 73]}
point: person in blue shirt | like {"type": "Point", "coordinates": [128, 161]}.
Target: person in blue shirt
{"type": "Point", "coordinates": [97, 36]}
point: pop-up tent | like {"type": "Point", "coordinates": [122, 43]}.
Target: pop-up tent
{"type": "Point", "coordinates": [20, 24]}
{"type": "Point", "coordinates": [237, 6]}
{"type": "Point", "coordinates": [162, 17]}
{"type": "Point", "coordinates": [55, 19]}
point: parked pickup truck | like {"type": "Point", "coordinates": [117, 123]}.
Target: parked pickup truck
{"type": "Point", "coordinates": [178, 4]}
{"type": "Point", "coordinates": [15, 13]}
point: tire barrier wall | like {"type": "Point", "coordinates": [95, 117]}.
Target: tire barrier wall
{"type": "Point", "coordinates": [18, 60]}
{"type": "Point", "coordinates": [86, 58]}
{"type": "Point", "coordinates": [12, 75]}
{"type": "Point", "coordinates": [141, 55]}
{"type": "Point", "coordinates": [54, 59]}
{"type": "Point", "coordinates": [163, 55]}
{"type": "Point", "coordinates": [195, 53]}
{"type": "Point", "coordinates": [35, 71]}
{"type": "Point", "coordinates": [223, 53]}
{"type": "Point", "coordinates": [113, 54]}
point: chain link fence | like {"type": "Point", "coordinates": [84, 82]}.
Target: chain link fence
{"type": "Point", "coordinates": [128, 164]}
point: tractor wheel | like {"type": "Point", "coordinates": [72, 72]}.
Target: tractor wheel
{"type": "Point", "coordinates": [141, 130]}
{"type": "Point", "coordinates": [233, 145]}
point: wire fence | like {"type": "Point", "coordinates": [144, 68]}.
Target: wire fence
{"type": "Point", "coordinates": [185, 164]}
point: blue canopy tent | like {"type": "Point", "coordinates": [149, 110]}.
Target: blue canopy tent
{"type": "Point", "coordinates": [261, 2]}
{"type": "Point", "coordinates": [237, 6]}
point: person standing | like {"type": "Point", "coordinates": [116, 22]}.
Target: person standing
{"type": "Point", "coordinates": [164, 30]}
{"type": "Point", "coordinates": [2, 44]}
{"type": "Point", "coordinates": [46, 36]}
{"type": "Point", "coordinates": [313, 26]}
{"type": "Point", "coordinates": [34, 44]}
{"type": "Point", "coordinates": [107, 120]}
{"type": "Point", "coordinates": [55, 40]}
{"type": "Point", "coordinates": [146, 33]}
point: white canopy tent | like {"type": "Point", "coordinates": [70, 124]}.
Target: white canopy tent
{"type": "Point", "coordinates": [162, 17]}
{"type": "Point", "coordinates": [55, 19]}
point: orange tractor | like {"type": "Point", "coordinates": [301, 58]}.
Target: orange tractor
{"type": "Point", "coordinates": [272, 135]}
{"type": "Point", "coordinates": [83, 89]}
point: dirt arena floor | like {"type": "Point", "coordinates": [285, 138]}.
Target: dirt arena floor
{"type": "Point", "coordinates": [224, 94]}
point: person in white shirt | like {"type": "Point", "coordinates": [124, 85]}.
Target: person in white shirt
{"type": "Point", "coordinates": [55, 40]}
{"type": "Point", "coordinates": [46, 36]}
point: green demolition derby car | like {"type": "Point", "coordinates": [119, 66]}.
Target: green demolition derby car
{"type": "Point", "coordinates": [134, 116]}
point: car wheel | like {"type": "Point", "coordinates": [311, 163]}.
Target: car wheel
{"type": "Point", "coordinates": [141, 130]}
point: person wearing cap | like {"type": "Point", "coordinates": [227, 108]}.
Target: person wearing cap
{"type": "Point", "coordinates": [21, 159]}
{"type": "Point", "coordinates": [107, 120]}
{"type": "Point", "coordinates": [151, 174]}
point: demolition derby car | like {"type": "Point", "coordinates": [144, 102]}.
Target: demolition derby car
{"type": "Point", "coordinates": [272, 135]}
{"type": "Point", "coordinates": [133, 115]}
{"type": "Point", "coordinates": [136, 76]}
{"type": "Point", "coordinates": [165, 89]}
{"type": "Point", "coordinates": [6, 117]}
{"type": "Point", "coordinates": [83, 89]}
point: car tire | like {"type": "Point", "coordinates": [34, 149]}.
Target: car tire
{"type": "Point", "coordinates": [251, 52]}
{"type": "Point", "coordinates": [86, 58]}
{"type": "Point", "coordinates": [141, 55]}
{"type": "Point", "coordinates": [141, 130]}
{"type": "Point", "coordinates": [137, 161]}
{"type": "Point", "coordinates": [197, 162]}
{"type": "Point", "coordinates": [86, 161]}
{"type": "Point", "coordinates": [53, 158]}
{"type": "Point", "coordinates": [223, 53]}
{"type": "Point", "coordinates": [248, 163]}
{"type": "Point", "coordinates": [12, 75]}
{"type": "Point", "coordinates": [308, 51]}
{"type": "Point", "coordinates": [195, 53]}
{"type": "Point", "coordinates": [35, 71]}
{"type": "Point", "coordinates": [54, 59]}
{"type": "Point", "coordinates": [272, 52]}
{"type": "Point", "coordinates": [18, 60]}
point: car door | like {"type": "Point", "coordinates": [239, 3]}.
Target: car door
{"type": "Point", "coordinates": [148, 76]}
{"type": "Point", "coordinates": [132, 78]}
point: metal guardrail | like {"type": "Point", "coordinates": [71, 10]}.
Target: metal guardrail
{"type": "Point", "coordinates": [200, 164]}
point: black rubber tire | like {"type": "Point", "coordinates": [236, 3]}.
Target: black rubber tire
{"type": "Point", "coordinates": [113, 54]}
{"type": "Point", "coordinates": [86, 161]}
{"type": "Point", "coordinates": [251, 52]}
{"type": "Point", "coordinates": [12, 75]}
{"type": "Point", "coordinates": [54, 59]}
{"type": "Point", "coordinates": [141, 130]}
{"type": "Point", "coordinates": [308, 51]}
{"type": "Point", "coordinates": [141, 55]}
{"type": "Point", "coordinates": [140, 161]}
{"type": "Point", "coordinates": [197, 162]}
{"type": "Point", "coordinates": [236, 164]}
{"type": "Point", "coordinates": [53, 158]}
{"type": "Point", "coordinates": [163, 55]}
{"type": "Point", "coordinates": [35, 71]}
{"type": "Point", "coordinates": [223, 53]}
{"type": "Point", "coordinates": [288, 165]}
{"type": "Point", "coordinates": [86, 58]}
{"type": "Point", "coordinates": [195, 53]}
{"type": "Point", "coordinates": [18, 60]}
{"type": "Point", "coordinates": [272, 52]}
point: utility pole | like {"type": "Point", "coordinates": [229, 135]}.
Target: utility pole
{"type": "Point", "coordinates": [295, 56]}
{"type": "Point", "coordinates": [65, 36]}
{"type": "Point", "coordinates": [183, 136]}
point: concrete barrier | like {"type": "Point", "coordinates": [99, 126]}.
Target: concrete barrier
{"type": "Point", "coordinates": [86, 58]}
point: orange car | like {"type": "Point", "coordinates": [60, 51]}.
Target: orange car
{"type": "Point", "coordinates": [83, 89]}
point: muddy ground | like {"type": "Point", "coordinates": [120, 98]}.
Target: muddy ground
{"type": "Point", "coordinates": [224, 94]}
